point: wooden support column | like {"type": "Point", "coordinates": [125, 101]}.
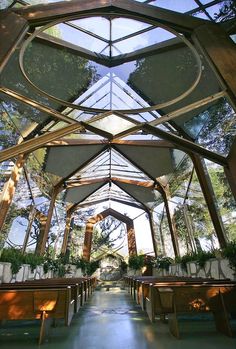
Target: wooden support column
{"type": "Point", "coordinates": [131, 239]}
{"type": "Point", "coordinates": [210, 199]}
{"type": "Point", "coordinates": [67, 231]}
{"type": "Point", "coordinates": [43, 221]}
{"type": "Point", "coordinates": [13, 28]}
{"type": "Point", "coordinates": [88, 239]}
{"type": "Point", "coordinates": [220, 51]}
{"type": "Point", "coordinates": [152, 231]}
{"type": "Point", "coordinates": [9, 189]}
{"type": "Point", "coordinates": [30, 223]}
{"type": "Point", "coordinates": [171, 221]}
{"type": "Point", "coordinates": [43, 241]}
{"type": "Point", "coordinates": [230, 170]}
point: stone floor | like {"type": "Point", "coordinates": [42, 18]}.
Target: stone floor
{"type": "Point", "coordinates": [111, 320]}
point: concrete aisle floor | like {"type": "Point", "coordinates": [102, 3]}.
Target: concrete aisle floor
{"type": "Point", "coordinates": [111, 320]}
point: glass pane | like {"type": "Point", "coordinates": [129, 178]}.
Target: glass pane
{"type": "Point", "coordinates": [58, 72]}
{"type": "Point", "coordinates": [80, 38]}
{"type": "Point", "coordinates": [5, 3]}
{"type": "Point", "coordinates": [97, 25]}
{"type": "Point", "coordinates": [178, 6]}
{"type": "Point", "coordinates": [214, 10]}
{"type": "Point", "coordinates": [143, 40]}
{"type": "Point", "coordinates": [219, 131]}
{"type": "Point", "coordinates": [112, 124]}
{"type": "Point", "coordinates": [224, 197]}
{"type": "Point", "coordinates": [123, 26]}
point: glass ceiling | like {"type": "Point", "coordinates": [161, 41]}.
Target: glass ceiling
{"type": "Point", "coordinates": [114, 74]}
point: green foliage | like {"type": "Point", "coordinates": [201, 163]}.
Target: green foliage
{"type": "Point", "coordinates": [14, 257]}
{"type": "Point", "coordinates": [123, 266]}
{"type": "Point", "coordinates": [227, 11]}
{"type": "Point", "coordinates": [33, 260]}
{"type": "Point", "coordinates": [229, 252]}
{"type": "Point", "coordinates": [88, 268]}
{"type": "Point", "coordinates": [56, 265]}
{"type": "Point", "coordinates": [200, 258]}
{"type": "Point", "coordinates": [136, 262]}
{"type": "Point", "coordinates": [164, 262]}
{"type": "Point", "coordinates": [91, 267]}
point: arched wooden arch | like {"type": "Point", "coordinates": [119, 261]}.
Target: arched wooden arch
{"type": "Point", "coordinates": [99, 217]}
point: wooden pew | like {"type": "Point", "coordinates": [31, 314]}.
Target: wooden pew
{"type": "Point", "coordinates": [43, 304]}
{"type": "Point", "coordinates": [176, 299]}
{"type": "Point", "coordinates": [141, 285]}
{"type": "Point", "coordinates": [43, 284]}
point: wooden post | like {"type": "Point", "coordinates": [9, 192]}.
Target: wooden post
{"type": "Point", "coordinates": [171, 221]}
{"type": "Point", "coordinates": [131, 239]}
{"type": "Point", "coordinates": [210, 199]}
{"type": "Point", "coordinates": [9, 189]}
{"type": "Point", "coordinates": [88, 236]}
{"type": "Point", "coordinates": [30, 223]}
{"type": "Point", "coordinates": [152, 231]}
{"type": "Point", "coordinates": [220, 51]}
{"type": "Point", "coordinates": [230, 170]}
{"type": "Point", "coordinates": [42, 220]}
{"type": "Point", "coordinates": [43, 241]}
{"type": "Point", "coordinates": [67, 231]}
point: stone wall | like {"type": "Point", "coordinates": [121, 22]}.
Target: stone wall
{"type": "Point", "coordinates": [214, 268]}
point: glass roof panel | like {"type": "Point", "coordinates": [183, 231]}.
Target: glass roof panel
{"type": "Point", "coordinates": [124, 26]}
{"type": "Point", "coordinates": [78, 194]}
{"type": "Point", "coordinates": [78, 37]}
{"type": "Point", "coordinates": [58, 71]}
{"type": "Point", "coordinates": [12, 78]}
{"type": "Point", "coordinates": [141, 194]}
{"type": "Point", "coordinates": [214, 10]}
{"type": "Point", "coordinates": [96, 25]}
{"type": "Point", "coordinates": [64, 160]}
{"type": "Point", "coordinates": [155, 161]}
{"type": "Point", "coordinates": [149, 38]}
{"type": "Point", "coordinates": [113, 124]}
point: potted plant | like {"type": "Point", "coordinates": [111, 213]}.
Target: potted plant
{"type": "Point", "coordinates": [229, 252]}
{"type": "Point", "coordinates": [136, 262]}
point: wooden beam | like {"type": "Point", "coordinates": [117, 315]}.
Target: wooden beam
{"type": "Point", "coordinates": [42, 14]}
{"type": "Point", "coordinates": [210, 199]}
{"type": "Point", "coordinates": [220, 52]}
{"type": "Point", "coordinates": [185, 145]}
{"type": "Point", "coordinates": [66, 231]}
{"type": "Point", "coordinates": [190, 107]}
{"type": "Point", "coordinates": [32, 103]}
{"type": "Point", "coordinates": [178, 21]}
{"type": "Point", "coordinates": [230, 169]}
{"type": "Point", "coordinates": [12, 31]}
{"type": "Point", "coordinates": [138, 143]}
{"type": "Point", "coordinates": [99, 217]}
{"type": "Point", "coordinates": [37, 142]}
{"type": "Point", "coordinates": [80, 205]}
{"type": "Point", "coordinates": [9, 189]}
